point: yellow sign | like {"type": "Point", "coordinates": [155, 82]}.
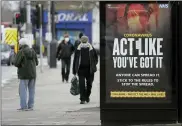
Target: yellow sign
{"type": "Point", "coordinates": [11, 37]}
{"type": "Point", "coordinates": [137, 94]}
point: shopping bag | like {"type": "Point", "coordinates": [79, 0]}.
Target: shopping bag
{"type": "Point", "coordinates": [74, 90]}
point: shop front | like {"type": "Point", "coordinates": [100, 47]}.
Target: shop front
{"type": "Point", "coordinates": [72, 23]}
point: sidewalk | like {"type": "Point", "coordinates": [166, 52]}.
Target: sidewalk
{"type": "Point", "coordinates": [53, 102]}
{"type": "Point", "coordinates": [54, 105]}
{"type": "Point", "coordinates": [10, 73]}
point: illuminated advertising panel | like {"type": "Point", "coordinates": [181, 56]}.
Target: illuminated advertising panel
{"type": "Point", "coordinates": [138, 53]}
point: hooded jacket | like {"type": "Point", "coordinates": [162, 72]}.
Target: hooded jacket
{"type": "Point", "coordinates": [26, 61]}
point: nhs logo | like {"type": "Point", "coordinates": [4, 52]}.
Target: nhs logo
{"type": "Point", "coordinates": [163, 5]}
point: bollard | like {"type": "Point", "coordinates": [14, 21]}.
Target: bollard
{"type": "Point", "coordinates": [53, 49]}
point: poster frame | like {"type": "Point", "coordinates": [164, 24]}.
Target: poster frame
{"type": "Point", "coordinates": [174, 63]}
{"type": "Point", "coordinates": [180, 62]}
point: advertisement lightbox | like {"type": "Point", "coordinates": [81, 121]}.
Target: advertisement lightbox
{"type": "Point", "coordinates": [138, 53]}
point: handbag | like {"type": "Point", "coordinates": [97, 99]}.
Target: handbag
{"type": "Point", "coordinates": [75, 89]}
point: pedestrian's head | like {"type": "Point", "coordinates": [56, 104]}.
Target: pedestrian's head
{"type": "Point", "coordinates": [66, 37]}
{"type": "Point", "coordinates": [22, 42]}
{"type": "Point", "coordinates": [84, 39]}
{"type": "Point", "coordinates": [80, 35]}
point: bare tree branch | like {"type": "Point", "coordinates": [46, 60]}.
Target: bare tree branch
{"type": "Point", "coordinates": [10, 5]}
{"type": "Point", "coordinates": [87, 6]}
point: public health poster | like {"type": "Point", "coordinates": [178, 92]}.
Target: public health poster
{"type": "Point", "coordinates": [138, 53]}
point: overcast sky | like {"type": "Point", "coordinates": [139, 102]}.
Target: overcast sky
{"type": "Point", "coordinates": [14, 5]}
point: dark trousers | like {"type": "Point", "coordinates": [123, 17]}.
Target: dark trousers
{"type": "Point", "coordinates": [65, 68]}
{"type": "Point", "coordinates": [85, 88]}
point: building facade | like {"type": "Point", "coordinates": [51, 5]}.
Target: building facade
{"type": "Point", "coordinates": [71, 22]}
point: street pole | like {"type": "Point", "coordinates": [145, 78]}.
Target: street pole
{"type": "Point", "coordinates": [49, 31]}
{"type": "Point", "coordinates": [22, 24]}
{"type": "Point", "coordinates": [18, 35]}
{"type": "Point", "coordinates": [0, 62]}
{"type": "Point", "coordinates": [53, 19]}
{"type": "Point", "coordinates": [53, 44]}
{"type": "Point", "coordinates": [40, 36]}
{"type": "Point", "coordinates": [49, 16]}
{"type": "Point", "coordinates": [29, 34]}
{"type": "Point", "coordinates": [41, 56]}
{"type": "Point", "coordinates": [28, 14]}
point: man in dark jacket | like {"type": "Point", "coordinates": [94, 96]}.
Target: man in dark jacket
{"type": "Point", "coordinates": [77, 42]}
{"type": "Point", "coordinates": [26, 62]}
{"type": "Point", "coordinates": [64, 52]}
{"type": "Point", "coordinates": [84, 64]}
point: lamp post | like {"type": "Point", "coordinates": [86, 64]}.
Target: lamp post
{"type": "Point", "coordinates": [53, 44]}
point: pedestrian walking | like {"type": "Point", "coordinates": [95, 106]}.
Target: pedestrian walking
{"type": "Point", "coordinates": [77, 42]}
{"type": "Point", "coordinates": [84, 65]}
{"type": "Point", "coordinates": [64, 52]}
{"type": "Point", "coordinates": [26, 62]}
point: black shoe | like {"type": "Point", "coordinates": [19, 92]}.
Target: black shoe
{"type": "Point", "coordinates": [22, 109]}
{"type": "Point", "coordinates": [82, 102]}
{"type": "Point", "coordinates": [88, 100]}
{"type": "Point", "coordinates": [66, 80]}
{"type": "Point", "coordinates": [63, 79]}
{"type": "Point", "coordinates": [30, 109]}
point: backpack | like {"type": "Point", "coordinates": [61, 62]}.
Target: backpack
{"type": "Point", "coordinates": [75, 89]}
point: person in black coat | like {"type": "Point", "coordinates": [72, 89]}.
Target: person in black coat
{"type": "Point", "coordinates": [77, 42]}
{"type": "Point", "coordinates": [85, 65]}
{"type": "Point", "coordinates": [64, 52]}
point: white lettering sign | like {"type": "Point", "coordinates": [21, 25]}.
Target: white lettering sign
{"type": "Point", "coordinates": [71, 17]}
{"type": "Point", "coordinates": [163, 6]}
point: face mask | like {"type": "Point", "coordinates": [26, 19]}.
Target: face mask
{"type": "Point", "coordinates": [66, 39]}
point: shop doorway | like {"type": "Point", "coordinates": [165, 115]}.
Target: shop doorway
{"type": "Point", "coordinates": [73, 33]}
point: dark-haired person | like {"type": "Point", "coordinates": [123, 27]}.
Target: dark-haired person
{"type": "Point", "coordinates": [64, 52]}
{"type": "Point", "coordinates": [77, 42]}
